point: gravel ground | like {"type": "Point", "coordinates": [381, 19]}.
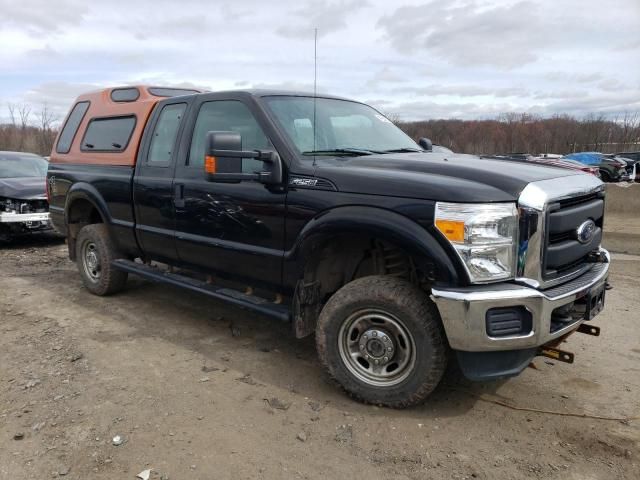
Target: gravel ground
{"type": "Point", "coordinates": [199, 390]}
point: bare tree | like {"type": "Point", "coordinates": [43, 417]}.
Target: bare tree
{"type": "Point", "coordinates": [13, 133]}
{"type": "Point", "coordinates": [46, 134]}
{"type": "Point", "coordinates": [24, 111]}
{"type": "Point", "coordinates": [27, 132]}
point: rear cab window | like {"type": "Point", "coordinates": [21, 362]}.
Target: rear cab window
{"type": "Point", "coordinates": [108, 134]}
{"type": "Point", "coordinates": [164, 135]}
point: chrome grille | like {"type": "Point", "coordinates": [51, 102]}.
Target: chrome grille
{"type": "Point", "coordinates": [550, 212]}
{"type": "Point", "coordinates": [563, 252]}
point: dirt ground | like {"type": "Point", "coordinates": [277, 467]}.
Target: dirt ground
{"type": "Point", "coordinates": [200, 390]}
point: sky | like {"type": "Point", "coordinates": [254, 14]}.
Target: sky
{"type": "Point", "coordinates": [468, 59]}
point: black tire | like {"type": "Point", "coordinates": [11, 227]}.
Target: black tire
{"type": "Point", "coordinates": [95, 245]}
{"type": "Point", "coordinates": [401, 302]}
{"type": "Point", "coordinates": [604, 176]}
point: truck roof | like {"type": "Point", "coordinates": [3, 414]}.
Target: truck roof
{"type": "Point", "coordinates": [261, 92]}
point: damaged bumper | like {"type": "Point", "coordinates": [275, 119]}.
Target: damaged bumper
{"type": "Point", "coordinates": [9, 217]}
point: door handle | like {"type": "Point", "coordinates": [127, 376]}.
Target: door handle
{"type": "Point", "coordinates": [178, 195]}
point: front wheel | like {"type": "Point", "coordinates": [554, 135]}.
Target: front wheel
{"type": "Point", "coordinates": [381, 339]}
{"type": "Point", "coordinates": [95, 252]}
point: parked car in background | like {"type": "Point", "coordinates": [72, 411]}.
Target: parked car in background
{"type": "Point", "coordinates": [549, 161]}
{"type": "Point", "coordinates": [611, 169]}
{"type": "Point", "coordinates": [23, 200]}
{"type": "Point", "coordinates": [565, 163]}
{"type": "Point", "coordinates": [635, 156]}
{"type": "Point", "coordinates": [632, 159]}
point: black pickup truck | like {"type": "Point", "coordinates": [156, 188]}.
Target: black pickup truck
{"type": "Point", "coordinates": [318, 211]}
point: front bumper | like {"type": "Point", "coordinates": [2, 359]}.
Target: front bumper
{"type": "Point", "coordinates": [463, 310]}
{"type": "Point", "coordinates": [6, 217]}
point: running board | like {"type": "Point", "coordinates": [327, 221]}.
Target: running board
{"type": "Point", "coordinates": [234, 297]}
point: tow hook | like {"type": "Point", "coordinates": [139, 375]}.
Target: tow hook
{"type": "Point", "coordinates": [556, 354]}
{"type": "Point", "coordinates": [589, 329]}
{"type": "Point", "coordinates": [597, 257]}
{"type": "Point", "coordinates": [563, 355]}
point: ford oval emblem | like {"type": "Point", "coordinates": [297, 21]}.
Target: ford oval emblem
{"type": "Point", "coordinates": [584, 233]}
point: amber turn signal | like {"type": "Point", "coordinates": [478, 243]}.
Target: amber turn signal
{"type": "Point", "coordinates": [453, 230]}
{"type": "Point", "coordinates": [210, 164]}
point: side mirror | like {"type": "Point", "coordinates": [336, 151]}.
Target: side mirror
{"type": "Point", "coordinates": [223, 160]}
{"type": "Point", "coordinates": [426, 144]}
{"type": "Point", "coordinates": [215, 162]}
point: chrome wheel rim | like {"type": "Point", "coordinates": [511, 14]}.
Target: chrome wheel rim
{"type": "Point", "coordinates": [91, 261]}
{"type": "Point", "coordinates": [376, 347]}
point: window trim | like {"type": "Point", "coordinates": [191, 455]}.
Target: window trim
{"type": "Point", "coordinates": [73, 137]}
{"type": "Point", "coordinates": [109, 117]}
{"type": "Point", "coordinates": [176, 140]}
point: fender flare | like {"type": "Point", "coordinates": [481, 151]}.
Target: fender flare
{"type": "Point", "coordinates": [86, 191]}
{"type": "Point", "coordinates": [380, 223]}
{"type": "Point", "coordinates": [83, 191]}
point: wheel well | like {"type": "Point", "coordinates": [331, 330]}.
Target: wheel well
{"type": "Point", "coordinates": [80, 213]}
{"type": "Point", "coordinates": [337, 260]}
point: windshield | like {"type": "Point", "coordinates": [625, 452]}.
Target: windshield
{"type": "Point", "coordinates": [340, 126]}
{"type": "Point", "coordinates": [15, 165]}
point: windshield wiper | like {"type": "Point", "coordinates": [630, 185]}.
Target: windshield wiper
{"type": "Point", "coordinates": [341, 151]}
{"type": "Point", "coordinates": [403, 150]}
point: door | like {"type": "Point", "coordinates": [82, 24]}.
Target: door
{"type": "Point", "coordinates": [154, 195]}
{"type": "Point", "coordinates": [235, 230]}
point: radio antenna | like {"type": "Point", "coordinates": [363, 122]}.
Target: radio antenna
{"type": "Point", "coordinates": [315, 88]}
{"type": "Point", "coordinates": [315, 61]}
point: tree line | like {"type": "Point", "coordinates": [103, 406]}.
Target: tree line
{"type": "Point", "coordinates": [525, 133]}
{"type": "Point", "coordinates": [28, 130]}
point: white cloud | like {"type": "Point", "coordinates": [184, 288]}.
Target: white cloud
{"type": "Point", "coordinates": [327, 17]}
{"type": "Point", "coordinates": [461, 58]}
{"type": "Point", "coordinates": [38, 17]}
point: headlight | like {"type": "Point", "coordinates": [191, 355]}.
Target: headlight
{"type": "Point", "coordinates": [483, 235]}
{"type": "Point", "coordinates": [8, 205]}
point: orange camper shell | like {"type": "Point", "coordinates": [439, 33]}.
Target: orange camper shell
{"type": "Point", "coordinates": [134, 103]}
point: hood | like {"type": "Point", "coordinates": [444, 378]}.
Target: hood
{"type": "Point", "coordinates": [436, 176]}
{"type": "Point", "coordinates": [25, 188]}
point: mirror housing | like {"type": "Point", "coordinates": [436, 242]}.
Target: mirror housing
{"type": "Point", "coordinates": [223, 160]}
{"type": "Point", "coordinates": [426, 144]}
{"type": "Point", "coordinates": [219, 164]}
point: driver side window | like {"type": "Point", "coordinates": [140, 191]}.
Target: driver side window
{"type": "Point", "coordinates": [228, 116]}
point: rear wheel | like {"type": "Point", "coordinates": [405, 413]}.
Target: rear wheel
{"type": "Point", "coordinates": [381, 339]}
{"type": "Point", "coordinates": [95, 252]}
{"type": "Point", "coordinates": [604, 176]}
